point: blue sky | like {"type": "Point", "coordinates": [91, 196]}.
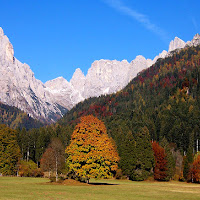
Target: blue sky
{"type": "Point", "coordinates": [56, 37]}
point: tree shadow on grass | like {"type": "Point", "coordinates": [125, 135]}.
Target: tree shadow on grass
{"type": "Point", "coordinates": [102, 183]}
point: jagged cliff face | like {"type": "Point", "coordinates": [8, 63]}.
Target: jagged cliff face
{"type": "Point", "coordinates": [195, 41]}
{"type": "Point", "coordinates": [49, 101]}
{"type": "Point", "coordinates": [106, 76]}
{"type": "Point", "coordinates": [19, 87]}
{"type": "Point", "coordinates": [63, 92]}
{"type": "Point", "coordinates": [78, 81]}
{"type": "Point", "coordinates": [177, 43]}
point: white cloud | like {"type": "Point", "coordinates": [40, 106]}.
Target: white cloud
{"type": "Point", "coordinates": [141, 18]}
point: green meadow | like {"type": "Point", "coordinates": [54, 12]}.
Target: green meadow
{"type": "Point", "coordinates": [40, 188]}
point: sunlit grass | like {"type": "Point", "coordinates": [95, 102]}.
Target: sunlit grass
{"type": "Point", "coordinates": [36, 189]}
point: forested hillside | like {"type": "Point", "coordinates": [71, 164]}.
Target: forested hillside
{"type": "Point", "coordinates": [165, 98]}
{"type": "Point", "coordinates": [15, 118]}
{"type": "Point", "coordinates": [161, 105]}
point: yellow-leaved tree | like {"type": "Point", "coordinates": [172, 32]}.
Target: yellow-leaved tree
{"type": "Point", "coordinates": [91, 153]}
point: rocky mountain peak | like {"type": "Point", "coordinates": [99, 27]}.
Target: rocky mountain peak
{"type": "Point", "coordinates": [57, 83]}
{"type": "Point", "coordinates": [196, 40]}
{"type": "Point", "coordinates": [77, 74]}
{"type": "Point", "coordinates": [6, 48]}
{"type": "Point", "coordinates": [63, 92]}
{"type": "Point", "coordinates": [125, 61]}
{"type": "Point", "coordinates": [1, 32]}
{"type": "Point", "coordinates": [19, 87]}
{"type": "Point", "coordinates": [140, 58]}
{"type": "Point", "coordinates": [78, 81]}
{"type": "Point", "coordinates": [177, 43]}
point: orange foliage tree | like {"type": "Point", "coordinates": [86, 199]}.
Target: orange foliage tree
{"type": "Point", "coordinates": [195, 171]}
{"type": "Point", "coordinates": [160, 169]}
{"type": "Point", "coordinates": [53, 158]}
{"type": "Point", "coordinates": [91, 153]}
{"type": "Point", "coordinates": [47, 161]}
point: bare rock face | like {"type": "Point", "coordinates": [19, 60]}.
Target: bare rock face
{"type": "Point", "coordinates": [109, 76]}
{"type": "Point", "coordinates": [78, 81]}
{"type": "Point", "coordinates": [49, 101]}
{"type": "Point", "coordinates": [177, 43]}
{"type": "Point", "coordinates": [105, 77]}
{"type": "Point", "coordinates": [195, 41]}
{"type": "Point", "coordinates": [19, 87]}
{"type": "Point", "coordinates": [6, 48]}
{"type": "Point", "coordinates": [163, 54]}
{"type": "Point", "coordinates": [140, 63]}
{"type": "Point", "coordinates": [63, 92]}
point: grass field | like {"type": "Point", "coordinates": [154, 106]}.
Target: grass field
{"type": "Point", "coordinates": [38, 188]}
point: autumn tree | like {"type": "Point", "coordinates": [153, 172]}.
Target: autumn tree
{"type": "Point", "coordinates": [169, 157]}
{"type": "Point", "coordinates": [47, 161]}
{"type": "Point", "coordinates": [29, 169]}
{"type": "Point", "coordinates": [91, 152]}
{"type": "Point", "coordinates": [53, 158]}
{"type": "Point", "coordinates": [9, 151]}
{"type": "Point", "coordinates": [160, 169]}
{"type": "Point", "coordinates": [195, 171]}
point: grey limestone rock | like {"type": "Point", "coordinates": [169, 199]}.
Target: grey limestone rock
{"type": "Point", "coordinates": [49, 101]}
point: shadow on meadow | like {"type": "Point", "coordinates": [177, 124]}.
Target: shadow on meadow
{"type": "Point", "coordinates": [102, 183]}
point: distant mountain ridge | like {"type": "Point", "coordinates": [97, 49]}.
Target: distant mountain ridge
{"type": "Point", "coordinates": [15, 118]}
{"type": "Point", "coordinates": [19, 87]}
{"type": "Point", "coordinates": [165, 98]}
{"type": "Point", "coordinates": [110, 76]}
{"type": "Point", "coordinates": [48, 102]}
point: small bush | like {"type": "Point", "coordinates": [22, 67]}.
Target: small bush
{"type": "Point", "coordinates": [118, 174]}
{"type": "Point", "coordinates": [29, 169]}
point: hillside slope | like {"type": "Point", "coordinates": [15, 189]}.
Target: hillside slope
{"type": "Point", "coordinates": [15, 118]}
{"type": "Point", "coordinates": [164, 97]}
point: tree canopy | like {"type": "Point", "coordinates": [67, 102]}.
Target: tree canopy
{"type": "Point", "coordinates": [91, 152]}
{"type": "Point", "coordinates": [160, 169]}
{"type": "Point", "coordinates": [53, 158]}
{"type": "Point", "coordinates": [9, 151]}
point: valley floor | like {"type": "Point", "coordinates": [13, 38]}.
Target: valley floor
{"type": "Point", "coordinates": [15, 188]}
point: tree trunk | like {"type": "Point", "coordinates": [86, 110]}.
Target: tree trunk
{"type": "Point", "coordinates": [49, 173]}
{"type": "Point", "coordinates": [27, 155]}
{"type": "Point", "coordinates": [56, 169]}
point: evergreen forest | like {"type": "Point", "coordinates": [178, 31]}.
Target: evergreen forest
{"type": "Point", "coordinates": [154, 122]}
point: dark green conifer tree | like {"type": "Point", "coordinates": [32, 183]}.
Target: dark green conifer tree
{"type": "Point", "coordinates": [144, 156]}
{"type": "Point", "coordinates": [128, 155]}
{"type": "Point", "coordinates": [9, 151]}
{"type": "Point", "coordinates": [189, 158]}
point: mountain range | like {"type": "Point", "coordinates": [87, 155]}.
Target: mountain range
{"type": "Point", "coordinates": [164, 99]}
{"type": "Point", "coordinates": [49, 101]}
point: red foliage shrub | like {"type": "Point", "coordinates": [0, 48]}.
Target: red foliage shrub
{"type": "Point", "coordinates": [160, 169]}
